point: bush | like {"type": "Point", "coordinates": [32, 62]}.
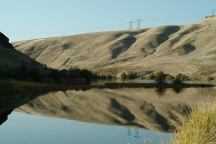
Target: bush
{"type": "Point", "coordinates": [160, 77]}
{"type": "Point", "coordinates": [180, 78]}
{"type": "Point", "coordinates": [210, 78]}
{"type": "Point", "coordinates": [133, 75]}
{"type": "Point", "coordinates": [123, 76]}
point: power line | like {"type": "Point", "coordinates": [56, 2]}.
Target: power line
{"type": "Point", "coordinates": [139, 24]}
{"type": "Point", "coordinates": [131, 25]}
{"type": "Point", "coordinates": [213, 12]}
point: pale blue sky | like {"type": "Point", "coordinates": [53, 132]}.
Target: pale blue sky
{"type": "Point", "coordinates": [28, 19]}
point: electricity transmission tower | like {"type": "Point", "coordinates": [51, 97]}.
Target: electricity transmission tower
{"type": "Point", "coordinates": [131, 25]}
{"type": "Point", "coordinates": [213, 12]}
{"type": "Point", "coordinates": [139, 21]}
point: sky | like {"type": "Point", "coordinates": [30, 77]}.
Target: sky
{"type": "Point", "coordinates": [30, 19]}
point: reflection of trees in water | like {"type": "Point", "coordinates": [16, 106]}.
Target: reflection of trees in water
{"type": "Point", "coordinates": [161, 91]}
{"type": "Point", "coordinates": [4, 116]}
{"type": "Point", "coordinates": [178, 89]}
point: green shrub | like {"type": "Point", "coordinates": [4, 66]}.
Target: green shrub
{"type": "Point", "coordinates": [123, 75]}
{"type": "Point", "coordinates": [180, 78]}
{"type": "Point", "coordinates": [160, 77]}
{"type": "Point", "coordinates": [132, 76]}
{"type": "Point", "coordinates": [43, 73]}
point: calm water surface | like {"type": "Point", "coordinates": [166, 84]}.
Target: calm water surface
{"type": "Point", "coordinates": [29, 129]}
{"type": "Point", "coordinates": [150, 108]}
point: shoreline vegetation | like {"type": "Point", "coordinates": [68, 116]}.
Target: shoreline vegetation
{"type": "Point", "coordinates": [43, 74]}
{"type": "Point", "coordinates": [86, 80]}
{"type": "Point", "coordinates": [9, 85]}
{"type": "Point", "coordinates": [199, 127]}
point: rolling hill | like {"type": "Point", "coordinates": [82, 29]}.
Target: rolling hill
{"type": "Point", "coordinates": [188, 49]}
{"type": "Point", "coordinates": [11, 59]}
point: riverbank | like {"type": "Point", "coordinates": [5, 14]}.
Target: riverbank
{"type": "Point", "coordinates": [14, 86]}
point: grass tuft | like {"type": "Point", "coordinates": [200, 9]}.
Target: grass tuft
{"type": "Point", "coordinates": [199, 128]}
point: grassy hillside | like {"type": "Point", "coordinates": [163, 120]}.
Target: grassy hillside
{"type": "Point", "coordinates": [16, 65]}
{"type": "Point", "coordinates": [11, 59]}
{"type": "Point", "coordinates": [188, 49]}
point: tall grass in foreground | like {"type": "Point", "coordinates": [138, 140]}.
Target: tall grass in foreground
{"type": "Point", "coordinates": [199, 128]}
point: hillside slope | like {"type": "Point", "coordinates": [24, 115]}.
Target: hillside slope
{"type": "Point", "coordinates": [11, 59]}
{"type": "Point", "coordinates": [189, 49]}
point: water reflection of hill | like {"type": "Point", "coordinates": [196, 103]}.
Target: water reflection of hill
{"type": "Point", "coordinates": [126, 106]}
{"type": "Point", "coordinates": [11, 99]}
{"type": "Point", "coordinates": [4, 116]}
{"type": "Point", "coordinates": [159, 108]}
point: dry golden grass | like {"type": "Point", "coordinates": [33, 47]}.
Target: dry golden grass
{"type": "Point", "coordinates": [188, 49]}
{"type": "Point", "coordinates": [199, 128]}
